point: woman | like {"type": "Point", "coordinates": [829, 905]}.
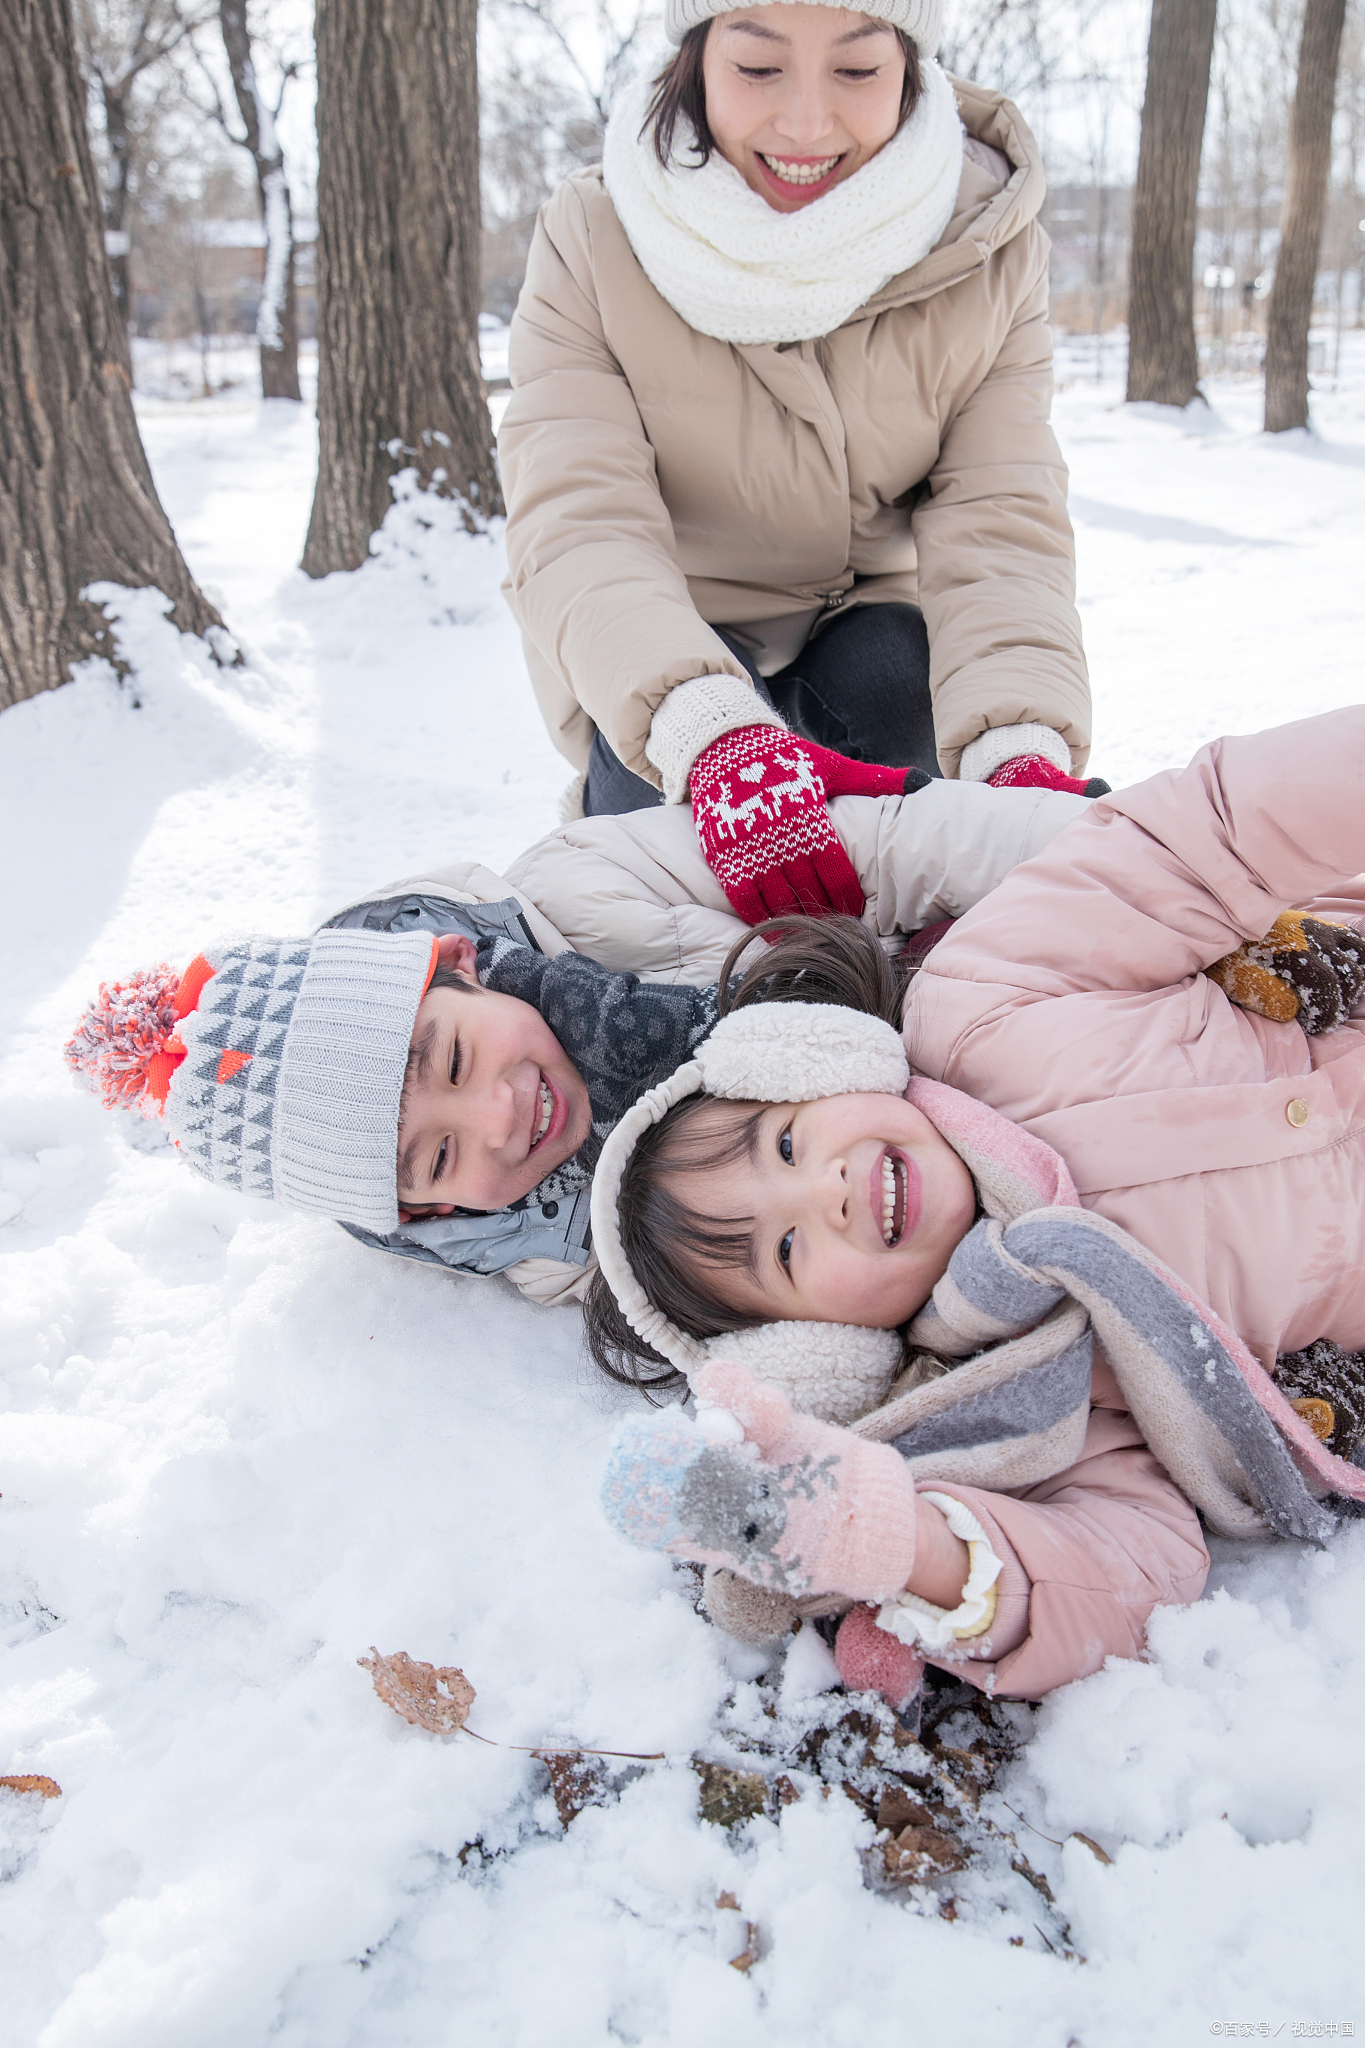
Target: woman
{"type": "Point", "coordinates": [778, 453]}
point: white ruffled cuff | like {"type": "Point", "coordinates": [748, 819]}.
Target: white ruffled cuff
{"type": "Point", "coordinates": [1000, 743]}
{"type": "Point", "coordinates": [918, 1622]}
{"type": "Point", "coordinates": [694, 714]}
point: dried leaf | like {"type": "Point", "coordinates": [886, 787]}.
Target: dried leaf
{"type": "Point", "coordinates": [430, 1696]}
{"type": "Point", "coordinates": [897, 1810]}
{"type": "Point", "coordinates": [1034, 1877]}
{"type": "Point", "coordinates": [46, 1788]}
{"type": "Point", "coordinates": [1093, 1847]}
{"type": "Point", "coordinates": [729, 1797]}
{"type": "Point", "coordinates": [748, 1955]}
{"type": "Point", "coordinates": [786, 1793]}
{"type": "Point", "coordinates": [574, 1782]}
{"type": "Point", "coordinates": [726, 1902]}
{"type": "Point", "coordinates": [919, 1853]}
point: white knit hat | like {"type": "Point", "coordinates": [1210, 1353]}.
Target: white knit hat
{"type": "Point", "coordinates": [766, 1052]}
{"type": "Point", "coordinates": [278, 1064]}
{"type": "Point", "coordinates": [922, 20]}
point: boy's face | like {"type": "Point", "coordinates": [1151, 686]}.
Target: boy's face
{"type": "Point", "coordinates": [491, 1103]}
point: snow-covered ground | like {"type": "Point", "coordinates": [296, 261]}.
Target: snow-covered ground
{"type": "Point", "coordinates": [238, 1449]}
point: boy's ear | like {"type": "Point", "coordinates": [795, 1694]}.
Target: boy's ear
{"type": "Point", "coordinates": [453, 949]}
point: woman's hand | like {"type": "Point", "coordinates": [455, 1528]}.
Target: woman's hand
{"type": "Point", "coordinates": [760, 804]}
{"type": "Point", "coordinates": [1031, 771]}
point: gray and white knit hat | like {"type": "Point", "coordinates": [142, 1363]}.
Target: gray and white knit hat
{"type": "Point", "coordinates": [766, 1052]}
{"type": "Point", "coordinates": [278, 1064]}
{"type": "Point", "coordinates": [922, 20]}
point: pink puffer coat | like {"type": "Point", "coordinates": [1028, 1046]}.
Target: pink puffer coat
{"type": "Point", "coordinates": [1073, 1000]}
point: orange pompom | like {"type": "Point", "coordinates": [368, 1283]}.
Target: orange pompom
{"type": "Point", "coordinates": [121, 1049]}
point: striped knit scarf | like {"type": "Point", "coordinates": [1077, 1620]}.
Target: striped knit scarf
{"type": "Point", "coordinates": [1026, 1294]}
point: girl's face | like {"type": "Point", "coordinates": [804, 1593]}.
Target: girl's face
{"type": "Point", "coordinates": [799, 97]}
{"type": "Point", "coordinates": [857, 1205]}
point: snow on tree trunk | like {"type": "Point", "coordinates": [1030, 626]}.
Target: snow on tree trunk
{"type": "Point", "coordinates": [1305, 198]}
{"type": "Point", "coordinates": [399, 383]}
{"type": "Point", "coordinates": [1163, 362]}
{"type": "Point", "coordinates": [77, 501]}
{"type": "Point", "coordinates": [277, 326]}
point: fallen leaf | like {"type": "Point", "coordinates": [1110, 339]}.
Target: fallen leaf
{"type": "Point", "coordinates": [917, 1854]}
{"type": "Point", "coordinates": [1034, 1877]}
{"type": "Point", "coordinates": [431, 1696]}
{"type": "Point", "coordinates": [726, 1902]}
{"type": "Point", "coordinates": [1093, 1847]}
{"type": "Point", "coordinates": [787, 1793]}
{"type": "Point", "coordinates": [729, 1797]}
{"type": "Point", "coordinates": [574, 1782]}
{"type": "Point", "coordinates": [897, 1810]}
{"type": "Point", "coordinates": [748, 1955]}
{"type": "Point", "coordinates": [46, 1788]}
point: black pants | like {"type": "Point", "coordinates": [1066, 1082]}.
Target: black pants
{"type": "Point", "coordinates": [861, 687]}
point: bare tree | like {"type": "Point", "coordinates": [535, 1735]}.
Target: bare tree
{"type": "Point", "coordinates": [277, 319]}
{"type": "Point", "coordinates": [546, 97]}
{"type": "Point", "coordinates": [120, 40]}
{"type": "Point", "coordinates": [399, 382]}
{"type": "Point", "coordinates": [1305, 197]}
{"type": "Point", "coordinates": [77, 501]}
{"type": "Point", "coordinates": [1163, 362]}
{"type": "Point", "coordinates": [1009, 44]}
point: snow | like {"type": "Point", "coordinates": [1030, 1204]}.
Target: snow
{"type": "Point", "coordinates": [238, 1450]}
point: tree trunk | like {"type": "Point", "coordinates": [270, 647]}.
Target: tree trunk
{"type": "Point", "coordinates": [399, 383]}
{"type": "Point", "coordinates": [277, 319]}
{"type": "Point", "coordinates": [1305, 198]}
{"type": "Point", "coordinates": [77, 501]}
{"type": "Point", "coordinates": [116, 198]}
{"type": "Point", "coordinates": [1163, 362]}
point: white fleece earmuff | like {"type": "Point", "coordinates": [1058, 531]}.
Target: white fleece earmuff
{"type": "Point", "coordinates": [768, 1052]}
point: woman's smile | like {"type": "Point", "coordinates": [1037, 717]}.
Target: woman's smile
{"type": "Point", "coordinates": [801, 181]}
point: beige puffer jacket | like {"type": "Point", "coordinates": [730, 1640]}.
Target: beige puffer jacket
{"type": "Point", "coordinates": [636, 894]}
{"type": "Point", "coordinates": [657, 479]}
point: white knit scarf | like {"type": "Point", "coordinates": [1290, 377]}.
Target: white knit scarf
{"type": "Point", "coordinates": [738, 270]}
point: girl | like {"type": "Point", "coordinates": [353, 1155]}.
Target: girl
{"type": "Point", "coordinates": [777, 458]}
{"type": "Point", "coordinates": [1152, 1167]}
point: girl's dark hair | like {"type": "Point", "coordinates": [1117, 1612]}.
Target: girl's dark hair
{"type": "Point", "coordinates": [668, 1244]}
{"type": "Point", "coordinates": [680, 89]}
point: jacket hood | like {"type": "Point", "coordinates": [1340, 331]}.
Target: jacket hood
{"type": "Point", "coordinates": [986, 215]}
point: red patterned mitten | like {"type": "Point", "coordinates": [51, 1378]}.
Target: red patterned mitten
{"type": "Point", "coordinates": [1031, 771]}
{"type": "Point", "coordinates": [759, 801]}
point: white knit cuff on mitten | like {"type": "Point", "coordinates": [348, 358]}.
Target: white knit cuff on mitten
{"type": "Point", "coordinates": [694, 714]}
{"type": "Point", "coordinates": [1000, 743]}
{"type": "Point", "coordinates": [918, 1622]}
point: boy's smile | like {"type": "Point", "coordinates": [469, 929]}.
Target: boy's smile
{"type": "Point", "coordinates": [491, 1101]}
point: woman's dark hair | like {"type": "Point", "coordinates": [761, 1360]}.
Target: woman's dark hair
{"type": "Point", "coordinates": [668, 1244]}
{"type": "Point", "coordinates": [680, 89]}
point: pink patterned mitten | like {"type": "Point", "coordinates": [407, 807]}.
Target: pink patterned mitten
{"type": "Point", "coordinates": [778, 1497]}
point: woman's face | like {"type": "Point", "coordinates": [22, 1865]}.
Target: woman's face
{"type": "Point", "coordinates": [800, 97]}
{"type": "Point", "coordinates": [857, 1205]}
